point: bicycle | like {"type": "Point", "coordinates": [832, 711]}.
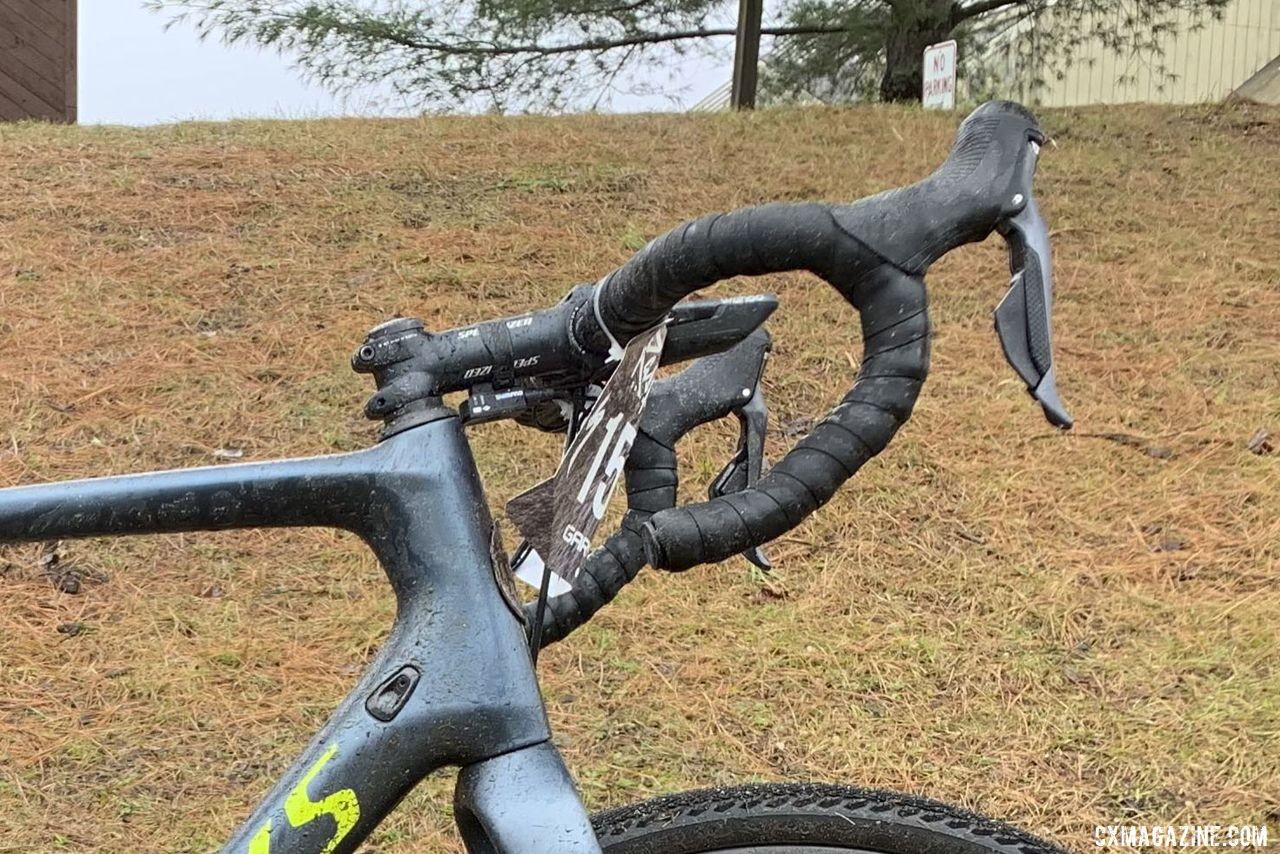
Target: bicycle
{"type": "Point", "coordinates": [454, 684]}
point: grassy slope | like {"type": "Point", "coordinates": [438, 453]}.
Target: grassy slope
{"type": "Point", "coordinates": [1058, 630]}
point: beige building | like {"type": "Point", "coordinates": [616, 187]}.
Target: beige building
{"type": "Point", "coordinates": [1238, 54]}
{"type": "Point", "coordinates": [1204, 60]}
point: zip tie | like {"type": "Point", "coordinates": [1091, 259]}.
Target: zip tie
{"type": "Point", "coordinates": [615, 348]}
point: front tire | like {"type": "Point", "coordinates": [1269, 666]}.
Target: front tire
{"type": "Point", "coordinates": [780, 818]}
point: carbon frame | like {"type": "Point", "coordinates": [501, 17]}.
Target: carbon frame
{"type": "Point", "coordinates": [454, 678]}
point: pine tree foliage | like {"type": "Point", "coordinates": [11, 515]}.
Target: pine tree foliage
{"type": "Point", "coordinates": [555, 54]}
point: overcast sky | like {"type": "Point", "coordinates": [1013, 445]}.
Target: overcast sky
{"type": "Point", "coordinates": [132, 71]}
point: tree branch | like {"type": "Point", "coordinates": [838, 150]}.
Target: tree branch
{"type": "Point", "coordinates": [961, 13]}
{"type": "Point", "coordinates": [596, 45]}
{"type": "Point", "coordinates": [607, 10]}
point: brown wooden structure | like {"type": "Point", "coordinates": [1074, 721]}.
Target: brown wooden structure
{"type": "Point", "coordinates": [746, 55]}
{"type": "Point", "coordinates": [38, 60]}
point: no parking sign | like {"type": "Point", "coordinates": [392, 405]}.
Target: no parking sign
{"type": "Point", "coordinates": [939, 92]}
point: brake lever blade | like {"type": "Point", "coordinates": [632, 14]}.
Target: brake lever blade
{"type": "Point", "coordinates": [712, 388]}
{"type": "Point", "coordinates": [1024, 316]}
{"type": "Point", "coordinates": [746, 465]}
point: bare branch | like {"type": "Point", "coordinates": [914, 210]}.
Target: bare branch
{"type": "Point", "coordinates": [965, 12]}
{"type": "Point", "coordinates": [594, 45]}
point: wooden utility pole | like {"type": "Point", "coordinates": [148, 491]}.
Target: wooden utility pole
{"type": "Point", "coordinates": [38, 60]}
{"type": "Point", "coordinates": [746, 55]}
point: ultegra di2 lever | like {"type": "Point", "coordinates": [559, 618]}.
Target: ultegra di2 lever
{"type": "Point", "coordinates": [711, 388]}
{"type": "Point", "coordinates": [1023, 317]}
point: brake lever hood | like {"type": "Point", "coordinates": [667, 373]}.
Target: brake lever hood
{"type": "Point", "coordinates": [1023, 318]}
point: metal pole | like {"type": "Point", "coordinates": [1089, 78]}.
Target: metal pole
{"type": "Point", "coordinates": [746, 56]}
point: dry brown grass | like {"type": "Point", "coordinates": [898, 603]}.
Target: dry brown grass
{"type": "Point", "coordinates": [1060, 630]}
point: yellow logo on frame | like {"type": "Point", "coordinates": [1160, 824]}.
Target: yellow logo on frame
{"type": "Point", "coordinates": [299, 809]}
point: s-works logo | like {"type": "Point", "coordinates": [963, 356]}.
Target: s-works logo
{"type": "Point", "coordinates": [300, 810]}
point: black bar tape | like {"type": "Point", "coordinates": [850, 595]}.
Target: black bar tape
{"type": "Point", "coordinates": [606, 572]}
{"type": "Point", "coordinates": [651, 475]}
{"type": "Point", "coordinates": [748, 242]}
{"type": "Point", "coordinates": [895, 363]}
{"type": "Point", "coordinates": [875, 253]}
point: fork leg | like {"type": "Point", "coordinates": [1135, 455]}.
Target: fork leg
{"type": "Point", "coordinates": [522, 802]}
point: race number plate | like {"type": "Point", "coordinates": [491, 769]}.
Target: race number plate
{"type": "Point", "coordinates": [559, 517]}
